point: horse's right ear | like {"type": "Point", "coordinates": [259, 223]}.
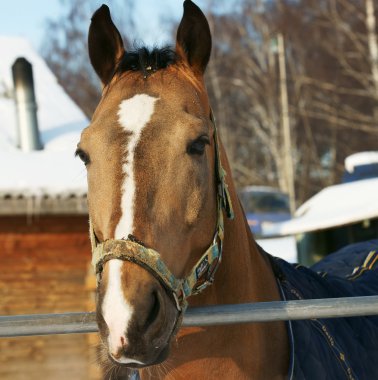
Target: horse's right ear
{"type": "Point", "coordinates": [105, 44]}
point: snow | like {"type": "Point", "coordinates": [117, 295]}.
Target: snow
{"type": "Point", "coordinates": [39, 173]}
{"type": "Point", "coordinates": [361, 158]}
{"type": "Point", "coordinates": [333, 206]}
{"type": "Point", "coordinates": [53, 170]}
{"type": "Point", "coordinates": [283, 247]}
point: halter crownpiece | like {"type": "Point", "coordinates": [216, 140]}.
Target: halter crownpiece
{"type": "Point", "coordinates": [202, 274]}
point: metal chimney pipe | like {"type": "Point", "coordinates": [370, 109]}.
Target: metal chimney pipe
{"type": "Point", "coordinates": [26, 106]}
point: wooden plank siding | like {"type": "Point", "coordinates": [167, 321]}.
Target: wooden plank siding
{"type": "Point", "coordinates": [45, 268]}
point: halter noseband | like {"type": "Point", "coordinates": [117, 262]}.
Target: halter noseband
{"type": "Point", "coordinates": [202, 274]}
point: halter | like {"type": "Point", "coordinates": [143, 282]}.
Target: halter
{"type": "Point", "coordinates": [202, 274]}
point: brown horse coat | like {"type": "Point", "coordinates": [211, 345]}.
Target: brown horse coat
{"type": "Point", "coordinates": [149, 152]}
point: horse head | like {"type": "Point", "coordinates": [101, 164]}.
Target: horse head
{"type": "Point", "coordinates": [153, 176]}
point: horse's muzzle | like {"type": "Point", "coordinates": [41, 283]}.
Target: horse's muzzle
{"type": "Point", "coordinates": [151, 318]}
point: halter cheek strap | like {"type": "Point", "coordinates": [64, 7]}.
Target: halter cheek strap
{"type": "Point", "coordinates": [202, 274]}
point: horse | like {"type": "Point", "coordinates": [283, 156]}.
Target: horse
{"type": "Point", "coordinates": [166, 226]}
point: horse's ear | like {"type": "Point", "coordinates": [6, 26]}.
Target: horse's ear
{"type": "Point", "coordinates": [193, 41]}
{"type": "Point", "coordinates": [105, 44]}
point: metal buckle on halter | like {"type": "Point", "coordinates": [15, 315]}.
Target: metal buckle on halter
{"type": "Point", "coordinates": [207, 277]}
{"type": "Point", "coordinates": [202, 287]}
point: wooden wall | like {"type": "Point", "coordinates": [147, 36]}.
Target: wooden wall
{"type": "Point", "coordinates": [45, 268]}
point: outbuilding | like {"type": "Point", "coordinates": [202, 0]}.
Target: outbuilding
{"type": "Point", "coordinates": [45, 252]}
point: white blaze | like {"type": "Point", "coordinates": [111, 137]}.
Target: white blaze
{"type": "Point", "coordinates": [133, 115]}
{"type": "Point", "coordinates": [116, 310]}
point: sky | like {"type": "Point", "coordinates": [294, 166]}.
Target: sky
{"type": "Point", "coordinates": [27, 18]}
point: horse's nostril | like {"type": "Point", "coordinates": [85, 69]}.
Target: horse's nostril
{"type": "Point", "coordinates": [154, 311]}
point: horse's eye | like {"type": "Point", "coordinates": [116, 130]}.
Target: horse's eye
{"type": "Point", "coordinates": [83, 156]}
{"type": "Point", "coordinates": [197, 147]}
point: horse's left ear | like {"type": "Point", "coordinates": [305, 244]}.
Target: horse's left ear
{"type": "Point", "coordinates": [193, 41]}
{"type": "Point", "coordinates": [105, 44]}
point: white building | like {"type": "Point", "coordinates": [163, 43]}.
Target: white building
{"type": "Point", "coordinates": [50, 179]}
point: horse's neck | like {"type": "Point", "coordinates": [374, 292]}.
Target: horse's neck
{"type": "Point", "coordinates": [244, 274]}
{"type": "Point", "coordinates": [239, 351]}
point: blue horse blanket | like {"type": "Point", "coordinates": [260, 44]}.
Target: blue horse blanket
{"type": "Point", "coordinates": [334, 348]}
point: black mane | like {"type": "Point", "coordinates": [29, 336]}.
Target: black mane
{"type": "Point", "coordinates": [146, 60]}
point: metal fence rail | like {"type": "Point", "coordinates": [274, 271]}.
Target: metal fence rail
{"type": "Point", "coordinates": [45, 324]}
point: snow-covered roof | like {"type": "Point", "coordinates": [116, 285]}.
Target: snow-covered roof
{"type": "Point", "coordinates": [361, 158]}
{"type": "Point", "coordinates": [333, 206]}
{"type": "Point", "coordinates": [53, 171]}
{"type": "Point", "coordinates": [284, 247]}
